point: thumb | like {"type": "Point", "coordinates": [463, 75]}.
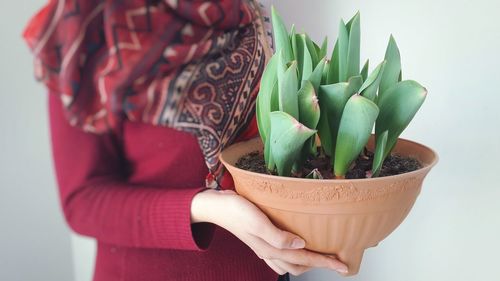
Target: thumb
{"type": "Point", "coordinates": [281, 239]}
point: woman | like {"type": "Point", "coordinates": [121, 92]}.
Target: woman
{"type": "Point", "coordinates": [143, 97]}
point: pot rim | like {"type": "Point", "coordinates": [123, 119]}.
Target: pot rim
{"type": "Point", "coordinates": [426, 167]}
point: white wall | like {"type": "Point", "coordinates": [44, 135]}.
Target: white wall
{"type": "Point", "coordinates": [34, 241]}
{"type": "Point", "coordinates": [453, 48]}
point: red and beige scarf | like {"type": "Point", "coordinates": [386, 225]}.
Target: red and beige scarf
{"type": "Point", "coordinates": [193, 65]}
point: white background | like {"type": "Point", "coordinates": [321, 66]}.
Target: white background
{"type": "Point", "coordinates": [453, 232]}
{"type": "Point", "coordinates": [34, 242]}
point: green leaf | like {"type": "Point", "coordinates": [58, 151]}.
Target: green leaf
{"type": "Point", "coordinates": [311, 47]}
{"type": "Point", "coordinates": [332, 100]}
{"type": "Point", "coordinates": [349, 23]}
{"type": "Point", "coordinates": [364, 70]}
{"type": "Point", "coordinates": [281, 66]}
{"type": "Point", "coordinates": [258, 114]}
{"type": "Point", "coordinates": [343, 50]}
{"type": "Point", "coordinates": [333, 71]}
{"type": "Point", "coordinates": [313, 147]}
{"type": "Point", "coordinates": [378, 158]}
{"type": "Point", "coordinates": [317, 49]}
{"type": "Point", "coordinates": [293, 41]}
{"type": "Point", "coordinates": [324, 48]}
{"type": "Point", "coordinates": [275, 104]}
{"type": "Point", "coordinates": [287, 139]}
{"type": "Point", "coordinates": [326, 73]}
{"type": "Point", "coordinates": [309, 111]}
{"type": "Point", "coordinates": [317, 74]}
{"type": "Point", "coordinates": [263, 103]}
{"type": "Point", "coordinates": [303, 155]}
{"type": "Point", "coordinates": [268, 157]}
{"type": "Point", "coordinates": [298, 50]}
{"type": "Point", "coordinates": [303, 57]}
{"type": "Point", "coordinates": [370, 86]}
{"type": "Point", "coordinates": [287, 91]}
{"type": "Point", "coordinates": [324, 132]}
{"type": "Point", "coordinates": [273, 107]}
{"type": "Point", "coordinates": [398, 106]}
{"type": "Point", "coordinates": [355, 129]}
{"type": "Point", "coordinates": [354, 84]}
{"type": "Point", "coordinates": [268, 101]}
{"type": "Point", "coordinates": [281, 39]}
{"type": "Point", "coordinates": [392, 68]}
{"type": "Point", "coordinates": [307, 61]}
{"type": "Point", "coordinates": [353, 60]}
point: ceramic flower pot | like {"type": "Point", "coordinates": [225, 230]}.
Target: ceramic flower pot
{"type": "Point", "coordinates": [341, 217]}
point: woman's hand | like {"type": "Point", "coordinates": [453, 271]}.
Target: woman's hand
{"type": "Point", "coordinates": [281, 250]}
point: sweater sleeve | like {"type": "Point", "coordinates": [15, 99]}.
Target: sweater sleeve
{"type": "Point", "coordinates": [98, 201]}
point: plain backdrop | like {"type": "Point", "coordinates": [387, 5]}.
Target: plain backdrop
{"type": "Point", "coordinates": [451, 46]}
{"type": "Point", "coordinates": [34, 241]}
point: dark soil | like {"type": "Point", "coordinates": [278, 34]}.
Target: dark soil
{"type": "Point", "coordinates": [254, 162]}
{"type": "Point", "coordinates": [393, 165]}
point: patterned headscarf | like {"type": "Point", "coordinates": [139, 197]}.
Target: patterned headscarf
{"type": "Point", "coordinates": [192, 65]}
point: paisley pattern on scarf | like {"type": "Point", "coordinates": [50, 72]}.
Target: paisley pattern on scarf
{"type": "Point", "coordinates": [193, 65]}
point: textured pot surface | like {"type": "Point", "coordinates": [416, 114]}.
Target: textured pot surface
{"type": "Point", "coordinates": [341, 217]}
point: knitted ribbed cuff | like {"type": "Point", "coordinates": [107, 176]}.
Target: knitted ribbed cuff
{"type": "Point", "coordinates": [171, 225]}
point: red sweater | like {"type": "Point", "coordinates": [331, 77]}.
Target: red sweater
{"type": "Point", "coordinates": [132, 192]}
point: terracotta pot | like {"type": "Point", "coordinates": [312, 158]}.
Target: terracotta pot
{"type": "Point", "coordinates": [341, 217]}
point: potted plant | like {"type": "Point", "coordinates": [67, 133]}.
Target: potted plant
{"type": "Point", "coordinates": [317, 170]}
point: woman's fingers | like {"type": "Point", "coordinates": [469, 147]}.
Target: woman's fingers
{"type": "Point", "coordinates": [276, 237]}
{"type": "Point", "coordinates": [282, 267]}
{"type": "Point", "coordinates": [272, 264]}
{"type": "Point", "coordinates": [283, 251]}
{"type": "Point", "coordinates": [293, 269]}
{"type": "Point", "coordinates": [289, 247]}
{"type": "Point", "coordinates": [299, 257]}
{"type": "Point", "coordinates": [280, 239]}
{"type": "Point", "coordinates": [312, 259]}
